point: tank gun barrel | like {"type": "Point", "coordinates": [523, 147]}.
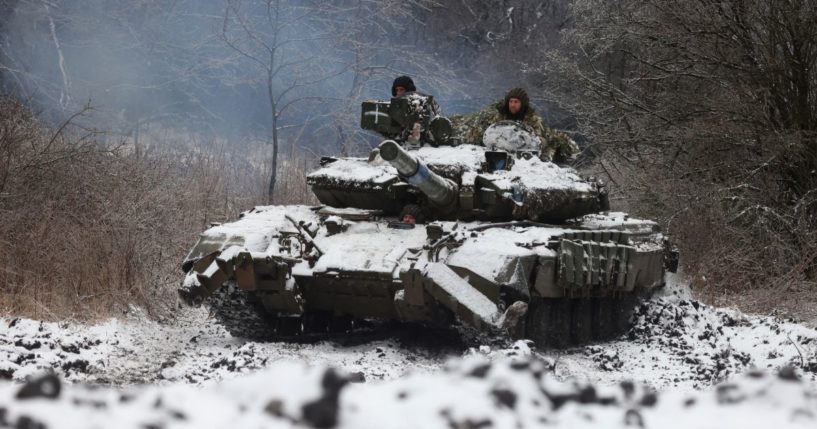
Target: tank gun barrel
{"type": "Point", "coordinates": [441, 192]}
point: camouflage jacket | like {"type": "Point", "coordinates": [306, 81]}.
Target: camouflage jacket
{"type": "Point", "coordinates": [556, 145]}
{"type": "Point", "coordinates": [424, 108]}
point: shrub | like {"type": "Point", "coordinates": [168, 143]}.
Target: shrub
{"type": "Point", "coordinates": [88, 225]}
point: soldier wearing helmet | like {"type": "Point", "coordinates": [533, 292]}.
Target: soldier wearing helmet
{"type": "Point", "coordinates": [556, 146]}
{"type": "Point", "coordinates": [401, 86]}
{"type": "Point", "coordinates": [428, 125]}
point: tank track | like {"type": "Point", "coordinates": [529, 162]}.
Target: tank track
{"type": "Point", "coordinates": [565, 322]}
{"type": "Point", "coordinates": [549, 322]}
{"type": "Point", "coordinates": [243, 315]}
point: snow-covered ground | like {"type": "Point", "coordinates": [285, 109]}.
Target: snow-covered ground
{"type": "Point", "coordinates": [709, 367]}
{"type": "Point", "coordinates": [193, 349]}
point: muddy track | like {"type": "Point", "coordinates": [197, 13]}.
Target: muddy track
{"type": "Point", "coordinates": [673, 342]}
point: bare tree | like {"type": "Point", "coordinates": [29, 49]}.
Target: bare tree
{"type": "Point", "coordinates": [285, 41]}
{"type": "Point", "coordinates": [131, 59]}
{"type": "Point", "coordinates": [705, 111]}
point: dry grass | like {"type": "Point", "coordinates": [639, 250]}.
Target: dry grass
{"type": "Point", "coordinates": [88, 227]}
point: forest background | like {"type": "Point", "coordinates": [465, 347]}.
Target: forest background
{"type": "Point", "coordinates": [127, 127]}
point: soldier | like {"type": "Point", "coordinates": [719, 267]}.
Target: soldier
{"type": "Point", "coordinates": [556, 146]}
{"type": "Point", "coordinates": [427, 125]}
{"type": "Point", "coordinates": [402, 85]}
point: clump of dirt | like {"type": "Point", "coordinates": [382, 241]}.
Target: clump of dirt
{"type": "Point", "coordinates": [29, 347]}
{"type": "Point", "coordinates": [607, 359]}
{"type": "Point", "coordinates": [717, 343]}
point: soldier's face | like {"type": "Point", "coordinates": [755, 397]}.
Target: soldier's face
{"type": "Point", "coordinates": [399, 91]}
{"type": "Point", "coordinates": [514, 105]}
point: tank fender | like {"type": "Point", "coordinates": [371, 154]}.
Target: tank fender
{"type": "Point", "coordinates": [459, 296]}
{"type": "Point", "coordinates": [204, 278]}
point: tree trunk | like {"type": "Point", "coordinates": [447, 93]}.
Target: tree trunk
{"type": "Point", "coordinates": [65, 95]}
{"type": "Point", "coordinates": [274, 117]}
{"type": "Point", "coordinates": [136, 147]}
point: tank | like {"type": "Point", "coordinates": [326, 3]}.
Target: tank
{"type": "Point", "coordinates": [427, 231]}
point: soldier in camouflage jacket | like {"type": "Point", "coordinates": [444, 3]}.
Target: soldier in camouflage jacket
{"type": "Point", "coordinates": [556, 145]}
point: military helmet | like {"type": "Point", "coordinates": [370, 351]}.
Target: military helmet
{"type": "Point", "coordinates": [403, 81]}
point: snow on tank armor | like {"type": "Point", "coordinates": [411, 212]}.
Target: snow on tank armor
{"type": "Point", "coordinates": [503, 242]}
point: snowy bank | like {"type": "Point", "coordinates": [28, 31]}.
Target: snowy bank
{"type": "Point", "coordinates": [467, 393]}
{"type": "Point", "coordinates": [704, 362]}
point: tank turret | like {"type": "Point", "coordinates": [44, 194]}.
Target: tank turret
{"type": "Point", "coordinates": [480, 254]}
{"type": "Point", "coordinates": [501, 180]}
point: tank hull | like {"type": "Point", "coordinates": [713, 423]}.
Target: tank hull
{"type": "Point", "coordinates": [297, 264]}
